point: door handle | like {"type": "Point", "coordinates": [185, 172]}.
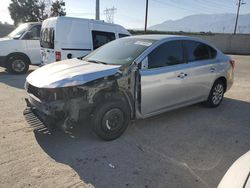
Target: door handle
{"type": "Point", "coordinates": [182, 75]}
{"type": "Point", "coordinates": [212, 69]}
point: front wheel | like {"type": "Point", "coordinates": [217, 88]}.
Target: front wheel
{"type": "Point", "coordinates": [216, 94]}
{"type": "Point", "coordinates": [17, 65]}
{"type": "Point", "coordinates": [110, 119]}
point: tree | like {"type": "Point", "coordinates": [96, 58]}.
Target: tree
{"type": "Point", "coordinates": [27, 11]}
{"type": "Point", "coordinates": [35, 10]}
{"type": "Point", "coordinates": [57, 8]}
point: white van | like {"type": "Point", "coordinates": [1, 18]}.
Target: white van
{"type": "Point", "coordinates": [66, 37]}
{"type": "Point", "coordinates": [21, 48]}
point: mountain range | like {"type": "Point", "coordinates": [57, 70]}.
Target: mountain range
{"type": "Point", "coordinates": [216, 23]}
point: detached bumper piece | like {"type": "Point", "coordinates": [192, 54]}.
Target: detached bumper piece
{"type": "Point", "coordinates": [35, 122]}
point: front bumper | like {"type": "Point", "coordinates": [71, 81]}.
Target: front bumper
{"type": "Point", "coordinates": [3, 61]}
{"type": "Point", "coordinates": [37, 119]}
{"type": "Point", "coordinates": [49, 109]}
{"type": "Point", "coordinates": [62, 114]}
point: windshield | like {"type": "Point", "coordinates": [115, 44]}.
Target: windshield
{"type": "Point", "coordinates": [120, 51]}
{"type": "Point", "coordinates": [19, 31]}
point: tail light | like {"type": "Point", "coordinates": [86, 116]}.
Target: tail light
{"type": "Point", "coordinates": [232, 62]}
{"type": "Point", "coordinates": [58, 56]}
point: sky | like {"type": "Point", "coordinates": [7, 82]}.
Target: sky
{"type": "Point", "coordinates": [131, 13]}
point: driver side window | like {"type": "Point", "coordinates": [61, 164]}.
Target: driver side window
{"type": "Point", "coordinates": [167, 54]}
{"type": "Point", "coordinates": [33, 33]}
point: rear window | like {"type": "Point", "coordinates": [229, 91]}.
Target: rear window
{"type": "Point", "coordinates": [197, 51]}
{"type": "Point", "coordinates": [47, 38]}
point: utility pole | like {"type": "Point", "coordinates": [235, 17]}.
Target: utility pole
{"type": "Point", "coordinates": [146, 17]}
{"type": "Point", "coordinates": [97, 10]}
{"type": "Point", "coordinates": [237, 16]}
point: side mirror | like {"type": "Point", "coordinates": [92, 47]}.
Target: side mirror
{"type": "Point", "coordinates": [144, 63]}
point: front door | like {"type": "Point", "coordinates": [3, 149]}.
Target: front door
{"type": "Point", "coordinates": [162, 78]}
{"type": "Point", "coordinates": [32, 38]}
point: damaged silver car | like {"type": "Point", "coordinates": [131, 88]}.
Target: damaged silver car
{"type": "Point", "coordinates": [126, 79]}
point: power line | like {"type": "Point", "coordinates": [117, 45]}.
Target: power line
{"type": "Point", "coordinates": [219, 4]}
{"type": "Point", "coordinates": [214, 6]}
{"type": "Point", "coordinates": [180, 7]}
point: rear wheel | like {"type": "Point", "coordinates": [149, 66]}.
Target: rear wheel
{"type": "Point", "coordinates": [216, 94]}
{"type": "Point", "coordinates": [17, 65]}
{"type": "Point", "coordinates": [110, 119]}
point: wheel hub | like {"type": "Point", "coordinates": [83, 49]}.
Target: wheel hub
{"type": "Point", "coordinates": [113, 120]}
{"type": "Point", "coordinates": [18, 65]}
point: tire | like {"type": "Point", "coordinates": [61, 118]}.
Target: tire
{"type": "Point", "coordinates": [110, 119]}
{"type": "Point", "coordinates": [17, 64]}
{"type": "Point", "coordinates": [216, 94]}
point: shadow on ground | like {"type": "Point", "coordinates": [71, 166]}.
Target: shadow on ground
{"type": "Point", "coordinates": [13, 80]}
{"type": "Point", "coordinates": [189, 147]}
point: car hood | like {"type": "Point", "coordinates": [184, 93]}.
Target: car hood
{"type": "Point", "coordinates": [69, 73]}
{"type": "Point", "coordinates": [5, 39]}
{"type": "Point", "coordinates": [238, 175]}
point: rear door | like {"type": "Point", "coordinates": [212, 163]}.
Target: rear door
{"type": "Point", "coordinates": [32, 38]}
{"type": "Point", "coordinates": [161, 82]}
{"type": "Point", "coordinates": [202, 64]}
{"type": "Point", "coordinates": [47, 43]}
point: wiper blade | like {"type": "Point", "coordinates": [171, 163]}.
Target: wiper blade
{"type": "Point", "coordinates": [95, 61]}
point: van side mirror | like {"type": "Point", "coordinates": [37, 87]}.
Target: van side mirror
{"type": "Point", "coordinates": [144, 63]}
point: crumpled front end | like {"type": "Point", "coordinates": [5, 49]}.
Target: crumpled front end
{"type": "Point", "coordinates": [67, 92]}
{"type": "Point", "coordinates": [63, 91]}
{"type": "Point", "coordinates": [58, 106]}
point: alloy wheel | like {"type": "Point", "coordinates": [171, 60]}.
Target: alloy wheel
{"type": "Point", "coordinates": [18, 65]}
{"type": "Point", "coordinates": [218, 94]}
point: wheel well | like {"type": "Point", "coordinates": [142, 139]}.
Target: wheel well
{"type": "Point", "coordinates": [19, 54]}
{"type": "Point", "coordinates": [224, 81]}
{"type": "Point", "coordinates": [114, 95]}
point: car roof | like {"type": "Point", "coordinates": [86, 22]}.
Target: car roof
{"type": "Point", "coordinates": [163, 37]}
{"type": "Point", "coordinates": [160, 37]}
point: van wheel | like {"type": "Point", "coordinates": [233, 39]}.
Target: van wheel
{"type": "Point", "coordinates": [17, 65]}
{"type": "Point", "coordinates": [216, 94]}
{"type": "Point", "coordinates": [110, 119]}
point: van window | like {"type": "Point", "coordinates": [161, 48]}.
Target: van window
{"type": "Point", "coordinates": [122, 35]}
{"type": "Point", "coordinates": [167, 54]}
{"type": "Point", "coordinates": [197, 51]}
{"type": "Point", "coordinates": [47, 38]}
{"type": "Point", "coordinates": [100, 38]}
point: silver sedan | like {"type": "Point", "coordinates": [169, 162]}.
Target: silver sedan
{"type": "Point", "coordinates": [130, 78]}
